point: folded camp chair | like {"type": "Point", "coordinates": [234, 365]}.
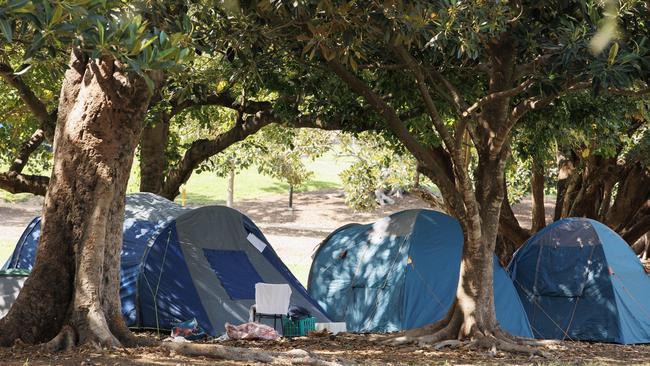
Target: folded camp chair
{"type": "Point", "coordinates": [271, 301]}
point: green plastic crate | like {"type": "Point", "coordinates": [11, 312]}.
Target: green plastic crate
{"type": "Point", "coordinates": [297, 328]}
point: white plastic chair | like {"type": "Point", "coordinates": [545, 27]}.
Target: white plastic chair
{"type": "Point", "coordinates": [271, 301]}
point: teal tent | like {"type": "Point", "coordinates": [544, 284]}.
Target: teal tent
{"type": "Point", "coordinates": [401, 273]}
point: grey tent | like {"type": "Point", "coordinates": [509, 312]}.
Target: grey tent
{"type": "Point", "coordinates": [11, 282]}
{"type": "Point", "coordinates": [178, 264]}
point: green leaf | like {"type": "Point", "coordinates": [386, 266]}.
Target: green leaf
{"type": "Point", "coordinates": [163, 37]}
{"type": "Point", "coordinates": [100, 32]}
{"type": "Point", "coordinates": [165, 54]}
{"type": "Point", "coordinates": [57, 15]}
{"type": "Point", "coordinates": [613, 51]}
{"type": "Point", "coordinates": [149, 82]}
{"type": "Point", "coordinates": [5, 27]}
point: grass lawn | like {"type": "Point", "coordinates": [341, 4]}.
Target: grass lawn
{"type": "Point", "coordinates": [207, 188]}
{"type": "Point", "coordinates": [6, 248]}
{"type": "Point", "coordinates": [301, 271]}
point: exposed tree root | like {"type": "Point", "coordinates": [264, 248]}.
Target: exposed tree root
{"type": "Point", "coordinates": [64, 341]}
{"type": "Point", "coordinates": [447, 333]}
{"type": "Point", "coordinates": [293, 357]}
{"type": "Point", "coordinates": [451, 343]}
{"type": "Point", "coordinates": [444, 329]}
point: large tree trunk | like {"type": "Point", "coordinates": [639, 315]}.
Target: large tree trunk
{"type": "Point", "coordinates": [566, 167]}
{"type": "Point", "coordinates": [633, 191]}
{"type": "Point", "coordinates": [537, 190]}
{"type": "Point", "coordinates": [511, 234]}
{"type": "Point", "coordinates": [152, 156]}
{"type": "Point", "coordinates": [73, 289]}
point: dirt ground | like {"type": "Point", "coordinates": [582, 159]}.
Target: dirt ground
{"type": "Point", "coordinates": [294, 234]}
{"type": "Point", "coordinates": [346, 349]}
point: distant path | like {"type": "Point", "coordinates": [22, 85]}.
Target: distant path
{"type": "Point", "coordinates": [14, 217]}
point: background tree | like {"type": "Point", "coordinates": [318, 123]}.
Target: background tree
{"type": "Point", "coordinates": [474, 68]}
{"type": "Point", "coordinates": [380, 163]}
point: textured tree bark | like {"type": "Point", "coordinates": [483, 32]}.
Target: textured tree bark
{"type": "Point", "coordinates": [74, 287]}
{"type": "Point", "coordinates": [230, 198]}
{"type": "Point", "coordinates": [152, 156]}
{"type": "Point", "coordinates": [633, 191]}
{"type": "Point", "coordinates": [509, 226]}
{"type": "Point", "coordinates": [566, 167]}
{"type": "Point", "coordinates": [537, 190]}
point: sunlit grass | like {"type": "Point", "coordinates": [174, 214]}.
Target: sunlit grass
{"type": "Point", "coordinates": [6, 248]}
{"type": "Point", "coordinates": [208, 188]}
{"type": "Point", "coordinates": [300, 271]}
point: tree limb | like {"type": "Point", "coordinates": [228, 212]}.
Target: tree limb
{"type": "Point", "coordinates": [14, 181]}
{"type": "Point", "coordinates": [202, 149]}
{"type": "Point", "coordinates": [27, 148]}
{"type": "Point", "coordinates": [641, 225]}
{"type": "Point", "coordinates": [430, 105]}
{"type": "Point", "coordinates": [24, 183]}
{"type": "Point", "coordinates": [38, 108]}
{"type": "Point", "coordinates": [497, 95]}
{"type": "Point", "coordinates": [432, 163]}
{"type": "Point", "coordinates": [223, 100]}
{"type": "Point", "coordinates": [531, 104]}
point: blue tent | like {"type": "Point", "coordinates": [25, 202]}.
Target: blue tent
{"type": "Point", "coordinates": [579, 280]}
{"type": "Point", "coordinates": [400, 273]}
{"type": "Point", "coordinates": [178, 264]}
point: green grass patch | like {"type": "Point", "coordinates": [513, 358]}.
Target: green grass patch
{"type": "Point", "coordinates": [14, 198]}
{"type": "Point", "coordinates": [6, 248]}
{"type": "Point", "coordinates": [208, 188]}
{"type": "Point", "coordinates": [301, 271]}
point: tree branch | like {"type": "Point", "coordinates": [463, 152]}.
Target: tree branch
{"type": "Point", "coordinates": [38, 108]}
{"type": "Point", "coordinates": [527, 105]}
{"type": "Point", "coordinates": [15, 182]}
{"type": "Point", "coordinates": [637, 224]}
{"type": "Point", "coordinates": [223, 100]}
{"type": "Point", "coordinates": [23, 183]}
{"type": "Point", "coordinates": [432, 163]}
{"type": "Point", "coordinates": [438, 123]}
{"type": "Point", "coordinates": [27, 148]}
{"type": "Point", "coordinates": [498, 95]}
{"type": "Point", "coordinates": [201, 150]}
{"type": "Point", "coordinates": [630, 93]}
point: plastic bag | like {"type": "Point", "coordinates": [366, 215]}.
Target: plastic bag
{"type": "Point", "coordinates": [190, 330]}
{"type": "Point", "coordinates": [251, 330]}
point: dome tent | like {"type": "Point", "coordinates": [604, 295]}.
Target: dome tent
{"type": "Point", "coordinates": [400, 273]}
{"type": "Point", "coordinates": [579, 280]}
{"type": "Point", "coordinates": [178, 264]}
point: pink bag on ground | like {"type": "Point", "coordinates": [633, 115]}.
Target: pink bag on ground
{"type": "Point", "coordinates": [251, 330]}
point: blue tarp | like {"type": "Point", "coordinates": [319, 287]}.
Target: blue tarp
{"type": "Point", "coordinates": [579, 280]}
{"type": "Point", "coordinates": [226, 262]}
{"type": "Point", "coordinates": [401, 273]}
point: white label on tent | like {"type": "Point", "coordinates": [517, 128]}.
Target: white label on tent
{"type": "Point", "coordinates": [257, 243]}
